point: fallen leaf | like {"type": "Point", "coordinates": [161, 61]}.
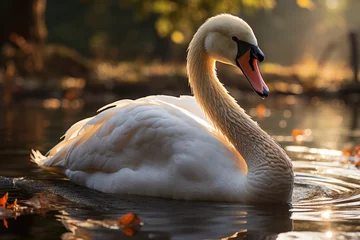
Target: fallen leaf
{"type": "Point", "coordinates": [346, 152]}
{"type": "Point", "coordinates": [3, 200]}
{"type": "Point", "coordinates": [357, 165]}
{"type": "Point", "coordinates": [298, 135]}
{"type": "Point", "coordinates": [14, 206]}
{"type": "Point", "coordinates": [130, 224]}
{"type": "Point", "coordinates": [356, 151]}
{"type": "Point", "coordinates": [129, 219]}
{"type": "Point", "coordinates": [260, 110]}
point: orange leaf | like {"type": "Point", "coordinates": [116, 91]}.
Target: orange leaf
{"type": "Point", "coordinates": [356, 151]}
{"type": "Point", "coordinates": [3, 200]}
{"type": "Point", "coordinates": [260, 110]}
{"type": "Point", "coordinates": [298, 135]}
{"type": "Point", "coordinates": [14, 206]}
{"type": "Point", "coordinates": [357, 165]}
{"type": "Point", "coordinates": [346, 152]}
{"type": "Point", "coordinates": [129, 219]}
{"type": "Point", "coordinates": [297, 132]}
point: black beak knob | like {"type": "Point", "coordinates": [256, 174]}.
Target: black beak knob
{"type": "Point", "coordinates": [258, 54]}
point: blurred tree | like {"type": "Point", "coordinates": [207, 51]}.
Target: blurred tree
{"type": "Point", "coordinates": [23, 24]}
{"type": "Point", "coordinates": [305, 4]}
{"type": "Point", "coordinates": [109, 28]}
{"type": "Point", "coordinates": [178, 19]}
{"type": "Point", "coordinates": [354, 57]}
{"type": "Point", "coordinates": [174, 21]}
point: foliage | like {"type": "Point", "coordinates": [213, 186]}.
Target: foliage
{"type": "Point", "coordinates": [305, 4]}
{"type": "Point", "coordinates": [178, 19]}
{"type": "Point", "coordinates": [109, 29]}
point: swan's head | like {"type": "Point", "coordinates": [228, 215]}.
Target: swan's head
{"type": "Point", "coordinates": [230, 40]}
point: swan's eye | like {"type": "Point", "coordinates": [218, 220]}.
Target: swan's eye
{"type": "Point", "coordinates": [242, 46]}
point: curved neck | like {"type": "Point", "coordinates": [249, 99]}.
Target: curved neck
{"type": "Point", "coordinates": [268, 165]}
{"type": "Point", "coordinates": [226, 115]}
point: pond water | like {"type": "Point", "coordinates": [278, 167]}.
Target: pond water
{"type": "Point", "coordinates": [326, 199]}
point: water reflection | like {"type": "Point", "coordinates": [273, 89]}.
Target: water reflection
{"type": "Point", "coordinates": [164, 218]}
{"type": "Point", "coordinates": [190, 221]}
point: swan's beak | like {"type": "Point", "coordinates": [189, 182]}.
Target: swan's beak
{"type": "Point", "coordinates": [248, 64]}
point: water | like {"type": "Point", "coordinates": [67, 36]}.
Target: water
{"type": "Point", "coordinates": [326, 199]}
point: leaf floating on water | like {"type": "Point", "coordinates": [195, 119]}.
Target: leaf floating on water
{"type": "Point", "coordinates": [129, 219]}
{"type": "Point", "coordinates": [3, 200]}
{"type": "Point", "coordinates": [357, 165]}
{"type": "Point", "coordinates": [346, 152]}
{"type": "Point", "coordinates": [356, 151]}
{"type": "Point", "coordinates": [260, 110]}
{"type": "Point", "coordinates": [42, 202]}
{"type": "Point", "coordinates": [14, 206]}
{"type": "Point", "coordinates": [298, 135]}
{"type": "Point", "coordinates": [129, 224]}
{"type": "Point", "coordinates": [352, 155]}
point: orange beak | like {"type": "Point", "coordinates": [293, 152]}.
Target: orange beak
{"type": "Point", "coordinates": [249, 66]}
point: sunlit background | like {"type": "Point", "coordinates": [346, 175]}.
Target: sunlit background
{"type": "Point", "coordinates": [110, 43]}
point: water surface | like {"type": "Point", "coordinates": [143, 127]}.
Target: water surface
{"type": "Point", "coordinates": [326, 199]}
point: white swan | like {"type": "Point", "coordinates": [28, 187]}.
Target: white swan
{"type": "Point", "coordinates": [167, 147]}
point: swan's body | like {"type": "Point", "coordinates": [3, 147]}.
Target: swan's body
{"type": "Point", "coordinates": [183, 148]}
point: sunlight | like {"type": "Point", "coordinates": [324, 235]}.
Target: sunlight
{"type": "Point", "coordinates": [326, 214]}
{"type": "Point", "coordinates": [282, 124]}
{"type": "Point", "coordinates": [325, 152]}
{"type": "Point", "coordinates": [51, 103]}
{"type": "Point", "coordinates": [332, 4]}
{"type": "Point", "coordinates": [305, 4]}
{"type": "Point", "coordinates": [177, 37]}
{"type": "Point", "coordinates": [287, 113]}
{"type": "Point", "coordinates": [329, 234]}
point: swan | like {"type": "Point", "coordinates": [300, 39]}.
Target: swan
{"type": "Point", "coordinates": [201, 148]}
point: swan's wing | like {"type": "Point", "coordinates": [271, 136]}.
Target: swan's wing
{"type": "Point", "coordinates": [123, 132]}
{"type": "Point", "coordinates": [139, 136]}
{"type": "Point", "coordinates": [188, 103]}
{"type": "Point", "coordinates": [74, 129]}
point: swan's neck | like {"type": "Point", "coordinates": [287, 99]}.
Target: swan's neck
{"type": "Point", "coordinates": [226, 115]}
{"type": "Point", "coordinates": [266, 160]}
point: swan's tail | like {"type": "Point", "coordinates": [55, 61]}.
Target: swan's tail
{"type": "Point", "coordinates": [37, 157]}
{"type": "Point", "coordinates": [54, 160]}
{"type": "Point", "coordinates": [43, 162]}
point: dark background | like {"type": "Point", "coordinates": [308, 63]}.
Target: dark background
{"type": "Point", "coordinates": [310, 45]}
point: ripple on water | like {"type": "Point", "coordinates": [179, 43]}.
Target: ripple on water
{"type": "Point", "coordinates": [327, 189]}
